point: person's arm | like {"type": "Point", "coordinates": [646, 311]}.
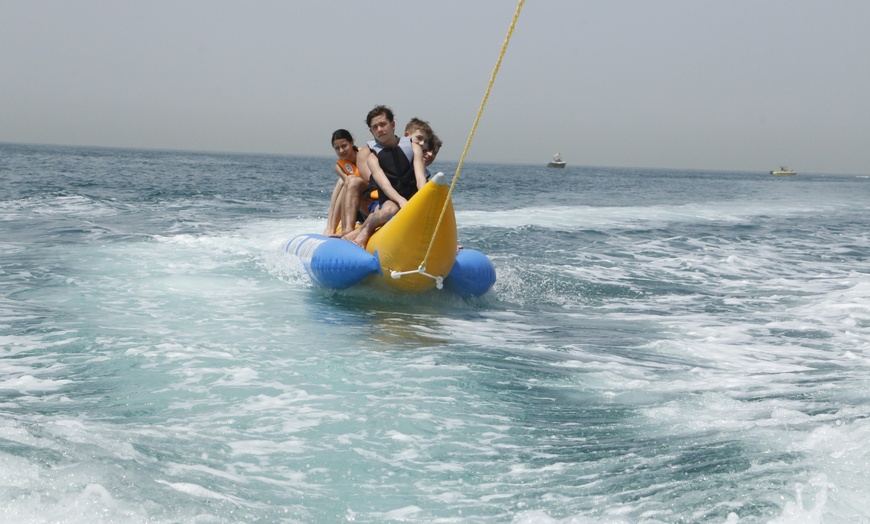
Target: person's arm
{"type": "Point", "coordinates": [362, 164]}
{"type": "Point", "coordinates": [419, 166]}
{"type": "Point", "coordinates": [383, 182]}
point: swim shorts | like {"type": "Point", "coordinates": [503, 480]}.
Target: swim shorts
{"type": "Point", "coordinates": [374, 206]}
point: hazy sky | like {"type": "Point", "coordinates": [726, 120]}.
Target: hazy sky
{"type": "Point", "coordinates": [739, 85]}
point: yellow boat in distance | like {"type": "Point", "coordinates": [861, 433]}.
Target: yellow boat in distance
{"type": "Point", "coordinates": [783, 171]}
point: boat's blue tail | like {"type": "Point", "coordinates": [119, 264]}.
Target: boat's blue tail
{"type": "Point", "coordinates": [333, 262]}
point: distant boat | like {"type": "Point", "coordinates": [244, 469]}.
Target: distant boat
{"type": "Point", "coordinates": [783, 171]}
{"type": "Point", "coordinates": [557, 161]}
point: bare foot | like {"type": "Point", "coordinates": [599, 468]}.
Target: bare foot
{"type": "Point", "coordinates": [346, 236]}
{"type": "Point", "coordinates": [361, 235]}
{"type": "Point", "coordinates": [350, 235]}
{"type": "Point", "coordinates": [361, 240]}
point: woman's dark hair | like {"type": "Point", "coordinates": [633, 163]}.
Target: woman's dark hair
{"type": "Point", "coordinates": [341, 133]}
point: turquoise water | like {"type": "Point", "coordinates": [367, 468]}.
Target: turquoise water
{"type": "Point", "coordinates": [660, 346]}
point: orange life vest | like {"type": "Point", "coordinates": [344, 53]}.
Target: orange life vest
{"type": "Point", "coordinates": [348, 167]}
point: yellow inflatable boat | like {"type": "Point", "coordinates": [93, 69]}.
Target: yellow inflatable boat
{"type": "Point", "coordinates": [396, 254]}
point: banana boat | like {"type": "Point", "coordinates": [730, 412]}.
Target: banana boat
{"type": "Point", "coordinates": [398, 256]}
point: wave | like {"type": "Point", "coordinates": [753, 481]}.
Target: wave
{"type": "Point", "coordinates": [593, 217]}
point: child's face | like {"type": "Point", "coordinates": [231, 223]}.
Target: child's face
{"type": "Point", "coordinates": [418, 138]}
{"type": "Point", "coordinates": [429, 156]}
{"type": "Point", "coordinates": [342, 147]}
{"type": "Point", "coordinates": [382, 129]}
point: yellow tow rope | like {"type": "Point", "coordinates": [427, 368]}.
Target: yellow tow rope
{"type": "Point", "coordinates": [473, 129]}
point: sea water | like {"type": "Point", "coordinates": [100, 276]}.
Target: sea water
{"type": "Point", "coordinates": [660, 346]}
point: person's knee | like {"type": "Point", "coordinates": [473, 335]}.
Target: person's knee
{"type": "Point", "coordinates": [355, 184]}
{"type": "Point", "coordinates": [389, 211]}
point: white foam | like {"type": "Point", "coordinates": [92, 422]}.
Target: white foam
{"type": "Point", "coordinates": [196, 490]}
{"type": "Point", "coordinates": [621, 217]}
{"type": "Point", "coordinates": [29, 383]}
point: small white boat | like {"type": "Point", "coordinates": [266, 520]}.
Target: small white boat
{"type": "Point", "coordinates": [557, 161]}
{"type": "Point", "coordinates": [783, 171]}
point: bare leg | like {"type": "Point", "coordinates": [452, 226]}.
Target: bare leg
{"type": "Point", "coordinates": [354, 186]}
{"type": "Point", "coordinates": [360, 236]}
{"type": "Point", "coordinates": [334, 213]}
